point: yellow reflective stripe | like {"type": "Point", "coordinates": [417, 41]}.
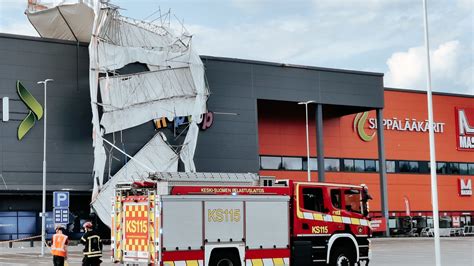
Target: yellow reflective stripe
{"type": "Point", "coordinates": [355, 221]}
{"type": "Point", "coordinates": [318, 216]}
{"type": "Point", "coordinates": [192, 263]}
{"type": "Point", "coordinates": [278, 262]}
{"type": "Point", "coordinates": [337, 219]}
{"type": "Point", "coordinates": [257, 262]}
{"type": "Point", "coordinates": [168, 263]}
{"type": "Point", "coordinates": [333, 218]}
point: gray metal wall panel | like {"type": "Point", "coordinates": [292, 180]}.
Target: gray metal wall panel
{"type": "Point", "coordinates": [69, 160]}
{"type": "Point", "coordinates": [230, 145]}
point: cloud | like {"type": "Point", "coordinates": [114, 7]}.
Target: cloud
{"type": "Point", "coordinates": [408, 69]}
{"type": "Point", "coordinates": [272, 40]}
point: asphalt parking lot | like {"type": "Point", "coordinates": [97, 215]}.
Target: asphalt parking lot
{"type": "Point", "coordinates": [455, 251]}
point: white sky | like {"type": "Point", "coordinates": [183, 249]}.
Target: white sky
{"type": "Point", "coordinates": [371, 35]}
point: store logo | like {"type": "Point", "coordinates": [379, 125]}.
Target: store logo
{"type": "Point", "coordinates": [358, 126]}
{"type": "Point", "coordinates": [35, 113]}
{"type": "Point", "coordinates": [465, 187]}
{"type": "Point", "coordinates": [207, 119]}
{"type": "Point", "coordinates": [393, 124]}
{"type": "Point", "coordinates": [465, 128]}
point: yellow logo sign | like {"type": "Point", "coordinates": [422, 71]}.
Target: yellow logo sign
{"type": "Point", "coordinates": [319, 230]}
{"type": "Point", "coordinates": [358, 126]}
{"type": "Point", "coordinates": [35, 110]}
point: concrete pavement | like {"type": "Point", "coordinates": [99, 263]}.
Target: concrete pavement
{"type": "Point", "coordinates": [416, 251]}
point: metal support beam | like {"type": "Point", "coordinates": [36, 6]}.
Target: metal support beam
{"type": "Point", "coordinates": [320, 142]}
{"type": "Point", "coordinates": [382, 170]}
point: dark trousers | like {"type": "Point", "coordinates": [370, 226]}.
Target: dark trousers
{"type": "Point", "coordinates": [58, 261]}
{"type": "Point", "coordinates": [95, 261]}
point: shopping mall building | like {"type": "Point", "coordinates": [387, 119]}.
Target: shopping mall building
{"type": "Point", "coordinates": [256, 125]}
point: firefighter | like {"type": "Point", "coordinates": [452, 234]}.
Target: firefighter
{"type": "Point", "coordinates": [92, 246]}
{"type": "Point", "coordinates": [59, 246]}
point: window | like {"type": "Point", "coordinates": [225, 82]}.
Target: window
{"type": "Point", "coordinates": [424, 167]}
{"type": "Point", "coordinates": [471, 168]}
{"type": "Point", "coordinates": [414, 167]}
{"type": "Point", "coordinates": [292, 163]}
{"type": "Point", "coordinates": [441, 168]}
{"type": "Point", "coordinates": [390, 166]}
{"type": "Point", "coordinates": [404, 166]}
{"type": "Point", "coordinates": [408, 167]}
{"type": "Point", "coordinates": [359, 165]}
{"type": "Point", "coordinates": [331, 165]}
{"type": "Point", "coordinates": [453, 168]}
{"type": "Point", "coordinates": [313, 164]}
{"type": "Point", "coordinates": [348, 165]}
{"type": "Point", "coordinates": [463, 170]}
{"type": "Point", "coordinates": [370, 166]}
{"type": "Point", "coordinates": [336, 198]}
{"type": "Point", "coordinates": [270, 163]}
{"type": "Point", "coordinates": [313, 199]}
{"type": "Point", "coordinates": [352, 200]}
{"type": "Point", "coordinates": [363, 165]}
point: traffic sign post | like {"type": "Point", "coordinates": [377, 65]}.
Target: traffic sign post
{"type": "Point", "coordinates": [60, 199]}
{"type": "Point", "coordinates": [61, 215]}
{"type": "Point", "coordinates": [61, 207]}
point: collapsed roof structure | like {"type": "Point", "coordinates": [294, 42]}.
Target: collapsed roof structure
{"type": "Point", "coordinates": [173, 84]}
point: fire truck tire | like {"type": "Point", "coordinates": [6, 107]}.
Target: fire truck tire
{"type": "Point", "coordinates": [341, 256]}
{"type": "Point", "coordinates": [224, 258]}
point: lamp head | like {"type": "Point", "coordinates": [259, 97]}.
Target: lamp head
{"type": "Point", "coordinates": [44, 81]}
{"type": "Point", "coordinates": [307, 102]}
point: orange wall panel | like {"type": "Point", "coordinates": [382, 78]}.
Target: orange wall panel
{"type": "Point", "coordinates": [282, 132]}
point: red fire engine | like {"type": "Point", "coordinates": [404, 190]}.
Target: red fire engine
{"type": "Point", "coordinates": [290, 223]}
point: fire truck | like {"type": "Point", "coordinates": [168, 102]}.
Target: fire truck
{"type": "Point", "coordinates": [157, 222]}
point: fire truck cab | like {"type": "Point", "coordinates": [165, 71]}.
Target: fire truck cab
{"type": "Point", "coordinates": [292, 223]}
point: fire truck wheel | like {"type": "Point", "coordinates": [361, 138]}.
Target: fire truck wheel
{"type": "Point", "coordinates": [223, 258]}
{"type": "Point", "coordinates": [341, 256]}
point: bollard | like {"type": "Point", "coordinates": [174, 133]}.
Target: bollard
{"type": "Point", "coordinates": [10, 244]}
{"type": "Point", "coordinates": [32, 243]}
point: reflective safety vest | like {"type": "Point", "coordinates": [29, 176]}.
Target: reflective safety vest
{"type": "Point", "coordinates": [58, 248]}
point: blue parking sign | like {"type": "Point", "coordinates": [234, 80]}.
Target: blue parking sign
{"type": "Point", "coordinates": [61, 215]}
{"type": "Point", "coordinates": [60, 199]}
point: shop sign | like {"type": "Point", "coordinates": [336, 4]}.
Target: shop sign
{"type": "Point", "coordinates": [35, 110]}
{"type": "Point", "coordinates": [378, 224]}
{"type": "Point", "coordinates": [5, 109]}
{"type": "Point", "coordinates": [207, 120]}
{"type": "Point", "coordinates": [456, 221]}
{"type": "Point", "coordinates": [465, 186]}
{"type": "Point", "coordinates": [402, 125]}
{"type": "Point", "coordinates": [465, 129]}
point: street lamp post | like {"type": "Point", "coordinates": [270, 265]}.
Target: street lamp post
{"type": "Point", "coordinates": [434, 178]}
{"type": "Point", "coordinates": [307, 138]}
{"type": "Point", "coordinates": [43, 212]}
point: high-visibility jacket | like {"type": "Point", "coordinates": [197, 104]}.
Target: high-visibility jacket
{"type": "Point", "coordinates": [59, 245]}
